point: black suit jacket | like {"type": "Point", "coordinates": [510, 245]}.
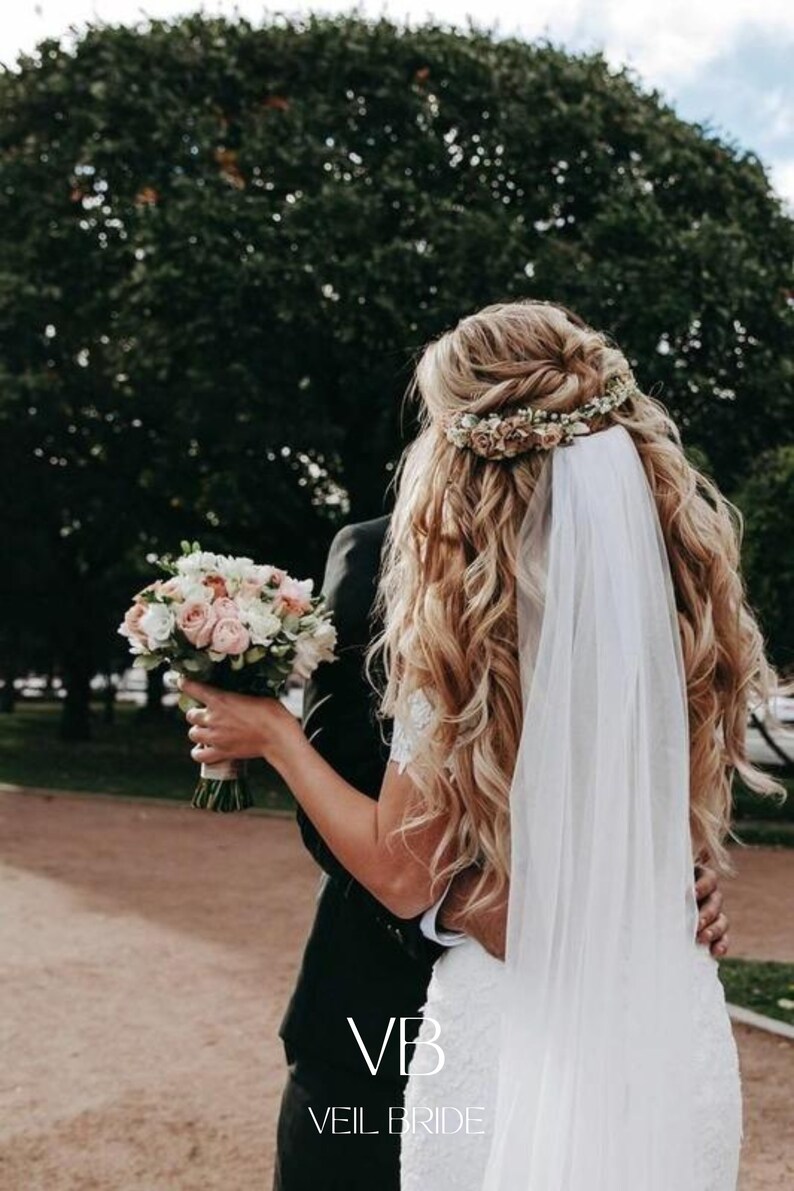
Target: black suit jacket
{"type": "Point", "coordinates": [360, 961]}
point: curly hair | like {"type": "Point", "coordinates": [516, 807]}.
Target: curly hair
{"type": "Point", "coordinates": [447, 587]}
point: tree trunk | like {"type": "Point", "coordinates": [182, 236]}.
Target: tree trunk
{"type": "Point", "coordinates": [109, 701]}
{"type": "Point", "coordinates": [76, 710]}
{"type": "Point", "coordinates": [8, 693]}
{"type": "Point", "coordinates": [8, 696]}
{"type": "Point", "coordinates": [155, 685]}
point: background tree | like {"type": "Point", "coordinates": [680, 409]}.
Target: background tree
{"type": "Point", "coordinates": [222, 247]}
{"type": "Point", "coordinates": [767, 503]}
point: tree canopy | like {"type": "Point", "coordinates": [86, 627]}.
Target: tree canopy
{"type": "Point", "coordinates": [223, 246]}
{"type": "Point", "coordinates": [766, 500]}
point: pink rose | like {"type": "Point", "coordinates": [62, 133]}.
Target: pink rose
{"type": "Point", "coordinates": [131, 626]}
{"type": "Point", "coordinates": [172, 588]}
{"type": "Point", "coordinates": [225, 608]}
{"type": "Point", "coordinates": [218, 585]}
{"type": "Point", "coordinates": [230, 636]}
{"type": "Point", "coordinates": [197, 619]}
{"type": "Point", "coordinates": [251, 587]}
{"type": "Point", "coordinates": [549, 435]}
{"type": "Point", "coordinates": [293, 597]}
{"type": "Point", "coordinates": [150, 587]}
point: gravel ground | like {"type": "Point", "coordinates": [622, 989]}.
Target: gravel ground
{"type": "Point", "coordinates": [147, 955]}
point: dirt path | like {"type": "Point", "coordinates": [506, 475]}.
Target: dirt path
{"type": "Point", "coordinates": [147, 955]}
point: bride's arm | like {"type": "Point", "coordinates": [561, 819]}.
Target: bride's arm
{"type": "Point", "coordinates": [361, 833]}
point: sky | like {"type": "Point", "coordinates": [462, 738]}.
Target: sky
{"type": "Point", "coordinates": [728, 64]}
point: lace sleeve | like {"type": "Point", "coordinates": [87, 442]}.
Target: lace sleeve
{"type": "Point", "coordinates": [404, 736]}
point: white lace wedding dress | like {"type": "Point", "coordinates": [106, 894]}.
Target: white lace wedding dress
{"type": "Point", "coordinates": [464, 998]}
{"type": "Point", "coordinates": [599, 1055]}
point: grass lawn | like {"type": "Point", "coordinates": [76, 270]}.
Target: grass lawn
{"type": "Point", "coordinates": [137, 757]}
{"type": "Point", "coordinates": [133, 756]}
{"type": "Point", "coordinates": [767, 988]}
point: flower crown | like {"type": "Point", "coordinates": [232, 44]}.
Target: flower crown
{"type": "Point", "coordinates": [528, 429]}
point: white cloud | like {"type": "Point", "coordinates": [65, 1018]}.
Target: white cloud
{"type": "Point", "coordinates": [783, 180]}
{"type": "Point", "coordinates": [777, 112]}
{"type": "Point", "coordinates": [670, 43]}
{"type": "Point", "coordinates": [666, 40]}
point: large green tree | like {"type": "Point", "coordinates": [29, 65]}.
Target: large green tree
{"type": "Point", "coordinates": [766, 500]}
{"type": "Point", "coordinates": [222, 246]}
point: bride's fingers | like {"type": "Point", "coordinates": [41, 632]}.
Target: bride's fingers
{"type": "Point", "coordinates": [202, 754]}
{"type": "Point", "coordinates": [197, 715]}
{"type": "Point", "coordinates": [200, 735]}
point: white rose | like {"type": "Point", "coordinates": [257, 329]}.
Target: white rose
{"type": "Point", "coordinates": [263, 625]}
{"type": "Point", "coordinates": [311, 650]}
{"type": "Point", "coordinates": [324, 638]}
{"type": "Point", "coordinates": [194, 591]}
{"type": "Point", "coordinates": [235, 569]}
{"type": "Point", "coordinates": [157, 623]}
{"type": "Point", "coordinates": [198, 563]}
{"type": "Point", "coordinates": [260, 574]}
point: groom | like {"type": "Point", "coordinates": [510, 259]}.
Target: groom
{"type": "Point", "coordinates": [363, 969]}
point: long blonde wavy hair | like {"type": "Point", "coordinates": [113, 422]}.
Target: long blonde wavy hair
{"type": "Point", "coordinates": [447, 588]}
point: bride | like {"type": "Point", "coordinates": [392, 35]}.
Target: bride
{"type": "Point", "coordinates": [569, 660]}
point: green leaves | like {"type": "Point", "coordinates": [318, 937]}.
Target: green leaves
{"type": "Point", "coordinates": [223, 246]}
{"type": "Point", "coordinates": [767, 503]}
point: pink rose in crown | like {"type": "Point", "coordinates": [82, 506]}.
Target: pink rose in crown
{"type": "Point", "coordinates": [294, 597]}
{"type": "Point", "coordinates": [230, 637]}
{"type": "Point", "coordinates": [197, 619]}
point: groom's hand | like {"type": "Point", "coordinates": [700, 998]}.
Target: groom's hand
{"type": "Point", "coordinates": [712, 920]}
{"type": "Point", "coordinates": [489, 926]}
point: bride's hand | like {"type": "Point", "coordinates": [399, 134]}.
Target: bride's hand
{"type": "Point", "coordinates": [712, 920]}
{"type": "Point", "coordinates": [237, 726]}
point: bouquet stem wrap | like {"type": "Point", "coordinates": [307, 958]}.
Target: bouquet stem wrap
{"type": "Point", "coordinates": [223, 788]}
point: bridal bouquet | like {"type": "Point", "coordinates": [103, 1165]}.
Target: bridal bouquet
{"type": "Point", "coordinates": [234, 624]}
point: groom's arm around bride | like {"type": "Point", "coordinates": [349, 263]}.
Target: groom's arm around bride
{"type": "Point", "coordinates": [361, 961]}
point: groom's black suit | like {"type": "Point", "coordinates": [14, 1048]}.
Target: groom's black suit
{"type": "Point", "coordinates": [360, 961]}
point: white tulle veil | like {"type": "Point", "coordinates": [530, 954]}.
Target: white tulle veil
{"type": "Point", "coordinates": [594, 1086]}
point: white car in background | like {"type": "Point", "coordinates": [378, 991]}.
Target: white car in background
{"type": "Point", "coordinates": [779, 726]}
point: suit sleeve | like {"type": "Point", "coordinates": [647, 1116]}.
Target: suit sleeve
{"type": "Point", "coordinates": [339, 707]}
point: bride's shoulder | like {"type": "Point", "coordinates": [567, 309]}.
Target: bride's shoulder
{"type": "Point", "coordinates": [407, 729]}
